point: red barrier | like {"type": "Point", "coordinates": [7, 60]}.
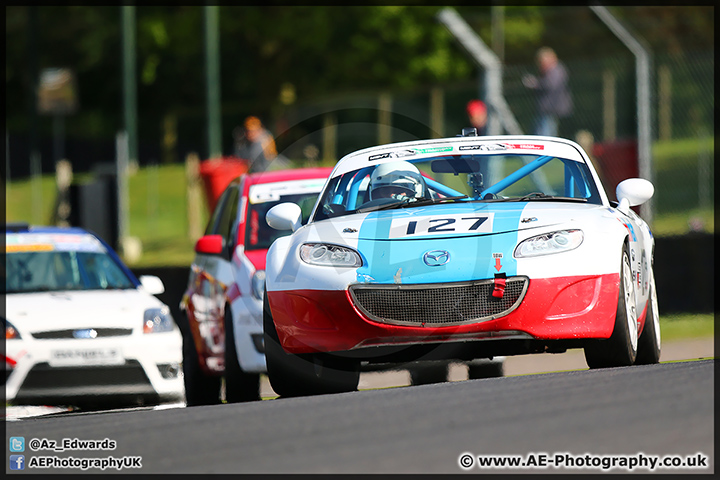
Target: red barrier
{"type": "Point", "coordinates": [618, 160]}
{"type": "Point", "coordinates": [217, 173]}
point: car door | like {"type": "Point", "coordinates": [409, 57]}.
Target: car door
{"type": "Point", "coordinates": [211, 277]}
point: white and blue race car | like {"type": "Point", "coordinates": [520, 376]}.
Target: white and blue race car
{"type": "Point", "coordinates": [458, 248]}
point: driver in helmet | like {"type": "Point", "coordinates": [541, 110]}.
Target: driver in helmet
{"type": "Point", "coordinates": [398, 180]}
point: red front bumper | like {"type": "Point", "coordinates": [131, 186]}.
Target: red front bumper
{"type": "Point", "coordinates": [553, 309]}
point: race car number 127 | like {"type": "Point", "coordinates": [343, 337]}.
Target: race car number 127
{"type": "Point", "coordinates": [441, 225]}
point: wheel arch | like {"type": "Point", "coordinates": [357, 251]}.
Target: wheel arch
{"type": "Point", "coordinates": [276, 258]}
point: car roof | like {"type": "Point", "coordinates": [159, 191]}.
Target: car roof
{"type": "Point", "coordinates": [27, 228]}
{"type": "Point", "coordinates": [273, 176]}
{"type": "Point", "coordinates": [417, 149]}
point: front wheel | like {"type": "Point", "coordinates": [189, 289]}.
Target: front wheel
{"type": "Point", "coordinates": [649, 343]}
{"type": "Point", "coordinates": [307, 374]}
{"type": "Point", "coordinates": [200, 388]}
{"type": "Point", "coordinates": [240, 386]}
{"type": "Point", "coordinates": [620, 350]}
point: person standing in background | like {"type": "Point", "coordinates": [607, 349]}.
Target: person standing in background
{"type": "Point", "coordinates": [553, 95]}
{"type": "Point", "coordinates": [477, 115]}
{"type": "Point", "coordinates": [255, 143]}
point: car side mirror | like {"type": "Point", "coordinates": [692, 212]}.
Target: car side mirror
{"type": "Point", "coordinates": [210, 245]}
{"type": "Point", "coordinates": [152, 284]}
{"type": "Point", "coordinates": [285, 216]}
{"type": "Point", "coordinates": [632, 192]}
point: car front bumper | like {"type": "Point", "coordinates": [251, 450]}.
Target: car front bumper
{"type": "Point", "coordinates": [560, 308]}
{"type": "Point", "coordinates": [147, 367]}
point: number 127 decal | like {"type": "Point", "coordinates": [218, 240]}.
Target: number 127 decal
{"type": "Point", "coordinates": [442, 225]}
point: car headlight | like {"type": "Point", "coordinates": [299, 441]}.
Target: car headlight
{"type": "Point", "coordinates": [258, 284]}
{"type": "Point", "coordinates": [157, 320]}
{"type": "Point", "coordinates": [545, 244]}
{"type": "Point", "coordinates": [11, 333]}
{"type": "Point", "coordinates": [329, 255]}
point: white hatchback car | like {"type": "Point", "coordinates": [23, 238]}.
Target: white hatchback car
{"type": "Point", "coordinates": [80, 328]}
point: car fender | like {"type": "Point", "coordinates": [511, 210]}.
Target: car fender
{"type": "Point", "coordinates": [276, 259]}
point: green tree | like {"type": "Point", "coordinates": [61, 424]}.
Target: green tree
{"type": "Point", "coordinates": [319, 50]}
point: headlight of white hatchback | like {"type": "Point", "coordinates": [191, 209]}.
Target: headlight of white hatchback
{"type": "Point", "coordinates": [11, 333]}
{"type": "Point", "coordinates": [328, 255]}
{"type": "Point", "coordinates": [548, 243]}
{"type": "Point", "coordinates": [157, 320]}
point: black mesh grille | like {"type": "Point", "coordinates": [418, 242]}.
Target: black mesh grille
{"type": "Point", "coordinates": [433, 305]}
{"type": "Point", "coordinates": [43, 376]}
{"type": "Point", "coordinates": [68, 333]}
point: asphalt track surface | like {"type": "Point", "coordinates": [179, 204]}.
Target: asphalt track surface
{"type": "Point", "coordinates": [633, 412]}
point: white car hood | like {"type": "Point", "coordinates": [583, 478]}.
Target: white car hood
{"type": "Point", "coordinates": [505, 217]}
{"type": "Point", "coordinates": [46, 311]}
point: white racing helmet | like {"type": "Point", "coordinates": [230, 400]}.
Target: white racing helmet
{"type": "Point", "coordinates": [397, 180]}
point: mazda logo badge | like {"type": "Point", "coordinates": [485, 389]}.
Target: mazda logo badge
{"type": "Point", "coordinates": [436, 258]}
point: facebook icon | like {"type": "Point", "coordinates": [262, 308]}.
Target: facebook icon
{"type": "Point", "coordinates": [17, 462]}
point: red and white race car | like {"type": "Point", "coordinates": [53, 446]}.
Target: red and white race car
{"type": "Point", "coordinates": [458, 248]}
{"type": "Point", "coordinates": [223, 302]}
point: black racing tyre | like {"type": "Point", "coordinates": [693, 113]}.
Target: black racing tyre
{"type": "Point", "coordinates": [200, 388]}
{"type": "Point", "coordinates": [649, 344]}
{"type": "Point", "coordinates": [485, 369]}
{"type": "Point", "coordinates": [428, 373]}
{"type": "Point", "coordinates": [310, 374]}
{"type": "Point", "coordinates": [240, 386]}
{"type": "Point", "coordinates": [620, 350]}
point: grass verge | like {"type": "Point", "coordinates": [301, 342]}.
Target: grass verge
{"type": "Point", "coordinates": [686, 325]}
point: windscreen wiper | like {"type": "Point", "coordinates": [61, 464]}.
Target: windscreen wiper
{"type": "Point", "coordinates": [535, 196]}
{"type": "Point", "coordinates": [408, 202]}
{"type": "Point", "coordinates": [382, 206]}
{"type": "Point", "coordinates": [433, 201]}
{"type": "Point", "coordinates": [545, 196]}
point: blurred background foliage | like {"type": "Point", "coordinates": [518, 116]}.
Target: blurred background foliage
{"type": "Point", "coordinates": [294, 66]}
{"type": "Point", "coordinates": [311, 51]}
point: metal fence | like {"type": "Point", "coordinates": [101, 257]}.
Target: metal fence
{"type": "Point", "coordinates": [604, 97]}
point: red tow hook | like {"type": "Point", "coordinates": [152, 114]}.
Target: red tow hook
{"type": "Point", "coordinates": [499, 285]}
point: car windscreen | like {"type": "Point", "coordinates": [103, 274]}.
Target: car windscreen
{"type": "Point", "coordinates": [52, 271]}
{"type": "Point", "coordinates": [463, 178]}
{"type": "Point", "coordinates": [258, 234]}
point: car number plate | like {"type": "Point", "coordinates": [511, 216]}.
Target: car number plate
{"type": "Point", "coordinates": [86, 356]}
